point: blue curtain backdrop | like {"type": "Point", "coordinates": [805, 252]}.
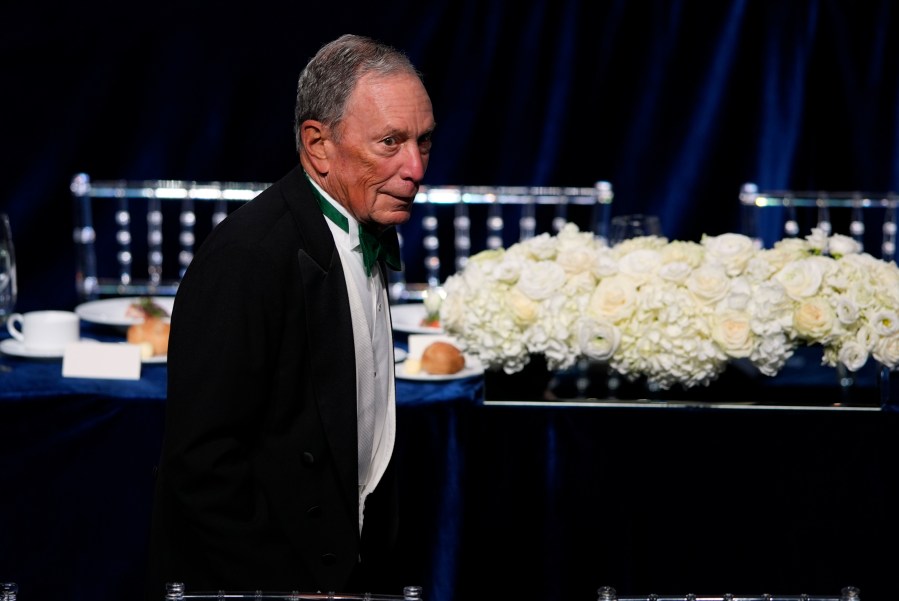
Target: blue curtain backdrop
{"type": "Point", "coordinates": [677, 103]}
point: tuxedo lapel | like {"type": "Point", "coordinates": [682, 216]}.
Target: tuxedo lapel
{"type": "Point", "coordinates": [330, 329]}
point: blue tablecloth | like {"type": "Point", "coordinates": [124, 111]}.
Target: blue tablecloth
{"type": "Point", "coordinates": [543, 502]}
{"type": "Point", "coordinates": [77, 457]}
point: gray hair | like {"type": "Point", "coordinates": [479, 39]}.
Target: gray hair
{"type": "Point", "coordinates": [331, 76]}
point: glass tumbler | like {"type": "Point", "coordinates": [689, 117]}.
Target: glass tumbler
{"type": "Point", "coordinates": [8, 290]}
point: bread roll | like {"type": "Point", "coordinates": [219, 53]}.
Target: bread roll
{"type": "Point", "coordinates": [442, 358]}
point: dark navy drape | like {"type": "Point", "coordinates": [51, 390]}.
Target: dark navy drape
{"type": "Point", "coordinates": [677, 103]}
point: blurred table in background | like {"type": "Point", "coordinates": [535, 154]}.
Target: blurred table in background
{"type": "Point", "coordinates": [506, 500]}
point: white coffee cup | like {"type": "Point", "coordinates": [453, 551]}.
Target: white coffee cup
{"type": "Point", "coordinates": [45, 331]}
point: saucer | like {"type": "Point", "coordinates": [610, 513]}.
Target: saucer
{"type": "Point", "coordinates": [13, 347]}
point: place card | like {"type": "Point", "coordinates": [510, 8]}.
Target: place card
{"type": "Point", "coordinates": [105, 360]}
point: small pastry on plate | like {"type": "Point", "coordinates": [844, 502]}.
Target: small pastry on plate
{"type": "Point", "coordinates": [152, 335]}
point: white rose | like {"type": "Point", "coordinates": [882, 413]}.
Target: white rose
{"type": "Point", "coordinates": [580, 284]}
{"type": "Point", "coordinates": [641, 264]}
{"type": "Point", "coordinates": [676, 271]}
{"type": "Point", "coordinates": [731, 250]}
{"type": "Point", "coordinates": [709, 283]}
{"type": "Point", "coordinates": [732, 333]}
{"type": "Point", "coordinates": [801, 279]}
{"type": "Point", "coordinates": [508, 270]}
{"type": "Point", "coordinates": [605, 264]}
{"type": "Point", "coordinates": [541, 248]}
{"type": "Point", "coordinates": [678, 251]}
{"type": "Point", "coordinates": [814, 319]}
{"type": "Point", "coordinates": [739, 295]}
{"type": "Point", "coordinates": [524, 310]}
{"type": "Point", "coordinates": [614, 299]}
{"type": "Point", "coordinates": [576, 259]}
{"type": "Point", "coordinates": [539, 280]}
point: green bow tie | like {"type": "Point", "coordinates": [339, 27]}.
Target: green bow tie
{"type": "Point", "coordinates": [374, 247]}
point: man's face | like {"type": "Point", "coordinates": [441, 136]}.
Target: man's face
{"type": "Point", "coordinates": [380, 158]}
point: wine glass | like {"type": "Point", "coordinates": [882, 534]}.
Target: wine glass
{"type": "Point", "coordinates": [625, 227]}
{"type": "Point", "coordinates": [8, 290]}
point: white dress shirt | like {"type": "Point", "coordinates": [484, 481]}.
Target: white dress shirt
{"type": "Point", "coordinates": [375, 390]}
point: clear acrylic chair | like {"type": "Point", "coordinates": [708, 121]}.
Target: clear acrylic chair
{"type": "Point", "coordinates": [138, 237]}
{"type": "Point", "coordinates": [849, 593]}
{"type": "Point", "coordinates": [870, 219]}
{"type": "Point", "coordinates": [175, 591]}
{"type": "Point", "coordinates": [450, 223]}
{"type": "Point", "coordinates": [8, 591]}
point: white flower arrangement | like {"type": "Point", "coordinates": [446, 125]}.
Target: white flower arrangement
{"type": "Point", "coordinates": [674, 312]}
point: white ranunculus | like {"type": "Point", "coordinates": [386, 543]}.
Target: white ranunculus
{"type": "Point", "coordinates": [839, 245]}
{"type": "Point", "coordinates": [885, 322]}
{"type": "Point", "coordinates": [817, 240]}
{"type": "Point", "coordinates": [887, 351]}
{"type": "Point", "coordinates": [853, 355]}
{"type": "Point", "coordinates": [847, 310]}
{"type": "Point", "coordinates": [598, 340]}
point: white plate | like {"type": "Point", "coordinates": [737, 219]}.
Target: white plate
{"type": "Point", "coordinates": [467, 372]}
{"type": "Point", "coordinates": [399, 354]}
{"type": "Point", "coordinates": [418, 343]}
{"type": "Point", "coordinates": [407, 318]}
{"type": "Point", "coordinates": [113, 311]}
{"type": "Point", "coordinates": [13, 347]}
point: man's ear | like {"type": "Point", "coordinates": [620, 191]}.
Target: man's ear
{"type": "Point", "coordinates": [314, 141]}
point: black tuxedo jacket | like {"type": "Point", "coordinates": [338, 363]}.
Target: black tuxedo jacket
{"type": "Point", "coordinates": [257, 483]}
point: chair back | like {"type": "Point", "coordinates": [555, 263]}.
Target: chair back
{"type": "Point", "coordinates": [175, 591]}
{"type": "Point", "coordinates": [849, 593]}
{"type": "Point", "coordinates": [138, 237]}
{"type": "Point", "coordinates": [871, 219]}
{"type": "Point", "coordinates": [8, 591]}
{"type": "Point", "coordinates": [451, 223]}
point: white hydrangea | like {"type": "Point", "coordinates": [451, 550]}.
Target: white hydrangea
{"type": "Point", "coordinates": [674, 313]}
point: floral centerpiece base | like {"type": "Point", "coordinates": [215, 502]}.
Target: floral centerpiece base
{"type": "Point", "coordinates": [803, 381]}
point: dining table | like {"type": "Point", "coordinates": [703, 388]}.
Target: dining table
{"type": "Point", "coordinates": [502, 498]}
